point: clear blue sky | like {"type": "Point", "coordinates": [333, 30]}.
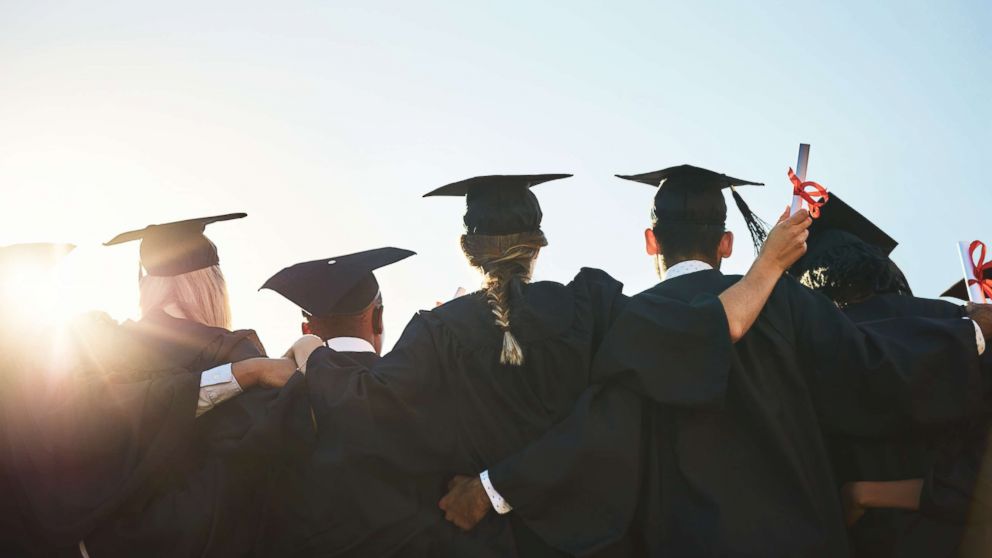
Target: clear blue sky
{"type": "Point", "coordinates": [326, 121]}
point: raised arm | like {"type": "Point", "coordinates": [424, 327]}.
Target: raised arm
{"type": "Point", "coordinates": [786, 243]}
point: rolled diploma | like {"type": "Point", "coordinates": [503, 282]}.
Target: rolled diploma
{"type": "Point", "coordinates": [801, 164]}
{"type": "Point", "coordinates": [968, 266]}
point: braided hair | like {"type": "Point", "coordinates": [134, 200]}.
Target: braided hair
{"type": "Point", "coordinates": [506, 262]}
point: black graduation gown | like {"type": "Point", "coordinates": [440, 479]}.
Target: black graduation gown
{"type": "Point", "coordinates": [747, 473]}
{"type": "Point", "coordinates": [335, 505]}
{"type": "Point", "coordinates": [143, 477]}
{"type": "Point", "coordinates": [936, 529]}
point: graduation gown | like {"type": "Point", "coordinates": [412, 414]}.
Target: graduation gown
{"type": "Point", "coordinates": [746, 471]}
{"type": "Point", "coordinates": [948, 456]}
{"type": "Point", "coordinates": [120, 462]}
{"type": "Point", "coordinates": [337, 505]}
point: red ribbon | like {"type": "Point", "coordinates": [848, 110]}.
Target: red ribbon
{"type": "Point", "coordinates": [979, 268]}
{"type": "Point", "coordinates": [799, 189]}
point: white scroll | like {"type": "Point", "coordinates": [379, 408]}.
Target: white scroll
{"type": "Point", "coordinates": [797, 202]}
{"type": "Point", "coordinates": [975, 293]}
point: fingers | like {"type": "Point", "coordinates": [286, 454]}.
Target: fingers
{"type": "Point", "coordinates": [459, 521]}
{"type": "Point", "coordinates": [800, 219]}
{"type": "Point", "coordinates": [784, 215]}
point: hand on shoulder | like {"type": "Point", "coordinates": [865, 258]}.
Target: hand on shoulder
{"type": "Point", "coordinates": [301, 349]}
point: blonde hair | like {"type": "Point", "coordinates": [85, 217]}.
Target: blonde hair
{"type": "Point", "coordinates": [200, 295]}
{"type": "Point", "coordinates": [504, 260]}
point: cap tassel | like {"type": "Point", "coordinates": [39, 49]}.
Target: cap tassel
{"type": "Point", "coordinates": [755, 226]}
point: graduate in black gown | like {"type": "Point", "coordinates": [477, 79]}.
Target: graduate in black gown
{"type": "Point", "coordinates": [479, 378]}
{"type": "Point", "coordinates": [150, 448]}
{"type": "Point", "coordinates": [918, 513]}
{"type": "Point", "coordinates": [328, 504]}
{"type": "Point", "coordinates": [23, 339]}
{"type": "Point", "coordinates": [748, 473]}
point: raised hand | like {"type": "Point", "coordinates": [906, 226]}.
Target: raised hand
{"type": "Point", "coordinates": [786, 242]}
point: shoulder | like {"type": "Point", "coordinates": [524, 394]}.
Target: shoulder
{"type": "Point", "coordinates": [593, 276]}
{"type": "Point", "coordinates": [246, 342]}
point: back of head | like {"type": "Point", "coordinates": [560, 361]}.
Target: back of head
{"type": "Point", "coordinates": [848, 270]}
{"type": "Point", "coordinates": [366, 323]}
{"type": "Point", "coordinates": [682, 241]}
{"type": "Point", "coordinates": [502, 239]}
{"type": "Point", "coordinates": [506, 262]}
{"type": "Point", "coordinates": [201, 295]}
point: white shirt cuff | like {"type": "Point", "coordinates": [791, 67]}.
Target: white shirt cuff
{"type": "Point", "coordinates": [216, 386]}
{"type": "Point", "coordinates": [499, 504]}
{"type": "Point", "coordinates": [979, 338]}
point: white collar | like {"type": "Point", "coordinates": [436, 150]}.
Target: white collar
{"type": "Point", "coordinates": [685, 268]}
{"type": "Point", "coordinates": [350, 345]}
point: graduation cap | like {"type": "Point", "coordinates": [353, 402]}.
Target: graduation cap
{"type": "Point", "coordinates": [175, 248]}
{"type": "Point", "coordinates": [499, 204]}
{"type": "Point", "coordinates": [335, 286]}
{"type": "Point", "coordinates": [958, 290]}
{"type": "Point", "coordinates": [694, 196]}
{"type": "Point", "coordinates": [847, 256]}
{"type": "Point", "coordinates": [841, 225]}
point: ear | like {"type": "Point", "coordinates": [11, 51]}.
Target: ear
{"type": "Point", "coordinates": [377, 325]}
{"type": "Point", "coordinates": [726, 245]}
{"type": "Point", "coordinates": [305, 328]}
{"type": "Point", "coordinates": [651, 243]}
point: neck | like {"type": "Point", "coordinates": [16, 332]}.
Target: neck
{"type": "Point", "coordinates": [348, 332]}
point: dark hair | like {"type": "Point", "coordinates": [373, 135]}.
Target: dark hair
{"type": "Point", "coordinates": [852, 273]}
{"type": "Point", "coordinates": [680, 241]}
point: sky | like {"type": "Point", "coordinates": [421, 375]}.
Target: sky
{"type": "Point", "coordinates": [327, 121]}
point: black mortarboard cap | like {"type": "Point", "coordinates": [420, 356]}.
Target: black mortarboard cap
{"type": "Point", "coordinates": [334, 286]}
{"type": "Point", "coordinates": [499, 204]}
{"type": "Point", "coordinates": [836, 214]}
{"type": "Point", "coordinates": [958, 290]}
{"type": "Point", "coordinates": [839, 225]}
{"type": "Point", "coordinates": [175, 248]}
{"type": "Point", "coordinates": [694, 196]}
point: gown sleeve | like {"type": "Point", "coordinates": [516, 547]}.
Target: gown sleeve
{"type": "Point", "coordinates": [578, 485]}
{"type": "Point", "coordinates": [398, 409]}
{"type": "Point", "coordinates": [874, 378]}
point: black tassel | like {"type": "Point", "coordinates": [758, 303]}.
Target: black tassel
{"type": "Point", "coordinates": [755, 226]}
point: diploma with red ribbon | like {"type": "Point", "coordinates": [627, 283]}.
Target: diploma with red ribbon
{"type": "Point", "coordinates": [804, 190]}
{"type": "Point", "coordinates": [977, 271]}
